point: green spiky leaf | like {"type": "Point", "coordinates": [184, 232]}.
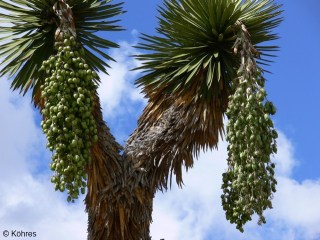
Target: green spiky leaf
{"type": "Point", "coordinates": [28, 30]}
{"type": "Point", "coordinates": [196, 37]}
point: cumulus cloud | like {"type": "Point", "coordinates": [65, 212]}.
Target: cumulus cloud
{"type": "Point", "coordinates": [117, 92]}
{"type": "Point", "coordinates": [285, 159]}
{"type": "Point", "coordinates": [297, 207]}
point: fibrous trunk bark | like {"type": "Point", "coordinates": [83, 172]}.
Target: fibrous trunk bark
{"type": "Point", "coordinates": [115, 210]}
{"type": "Point", "coordinates": [121, 188]}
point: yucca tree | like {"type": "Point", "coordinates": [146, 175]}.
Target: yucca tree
{"type": "Point", "coordinates": [205, 62]}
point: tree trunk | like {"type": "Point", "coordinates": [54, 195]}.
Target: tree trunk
{"type": "Point", "coordinates": [115, 211]}
{"type": "Point", "coordinates": [121, 188]}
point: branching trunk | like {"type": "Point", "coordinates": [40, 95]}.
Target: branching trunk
{"type": "Point", "coordinates": [122, 188]}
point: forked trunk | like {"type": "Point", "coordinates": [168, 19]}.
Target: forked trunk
{"type": "Point", "coordinates": [121, 188]}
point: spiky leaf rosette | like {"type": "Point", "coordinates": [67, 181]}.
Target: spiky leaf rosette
{"type": "Point", "coordinates": [192, 59]}
{"type": "Point", "coordinates": [192, 55]}
{"type": "Point", "coordinates": [29, 36]}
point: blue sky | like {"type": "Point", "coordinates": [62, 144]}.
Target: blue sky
{"type": "Point", "coordinates": [29, 202]}
{"type": "Point", "coordinates": [295, 83]}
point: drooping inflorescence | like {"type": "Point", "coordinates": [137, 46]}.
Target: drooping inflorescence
{"type": "Point", "coordinates": [249, 182]}
{"type": "Point", "coordinates": [67, 115]}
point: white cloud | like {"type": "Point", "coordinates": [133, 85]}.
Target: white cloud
{"type": "Point", "coordinates": [117, 91]}
{"type": "Point", "coordinates": [297, 205]}
{"type": "Point", "coordinates": [285, 157]}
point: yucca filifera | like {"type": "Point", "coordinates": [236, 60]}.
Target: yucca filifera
{"type": "Point", "coordinates": [68, 122]}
